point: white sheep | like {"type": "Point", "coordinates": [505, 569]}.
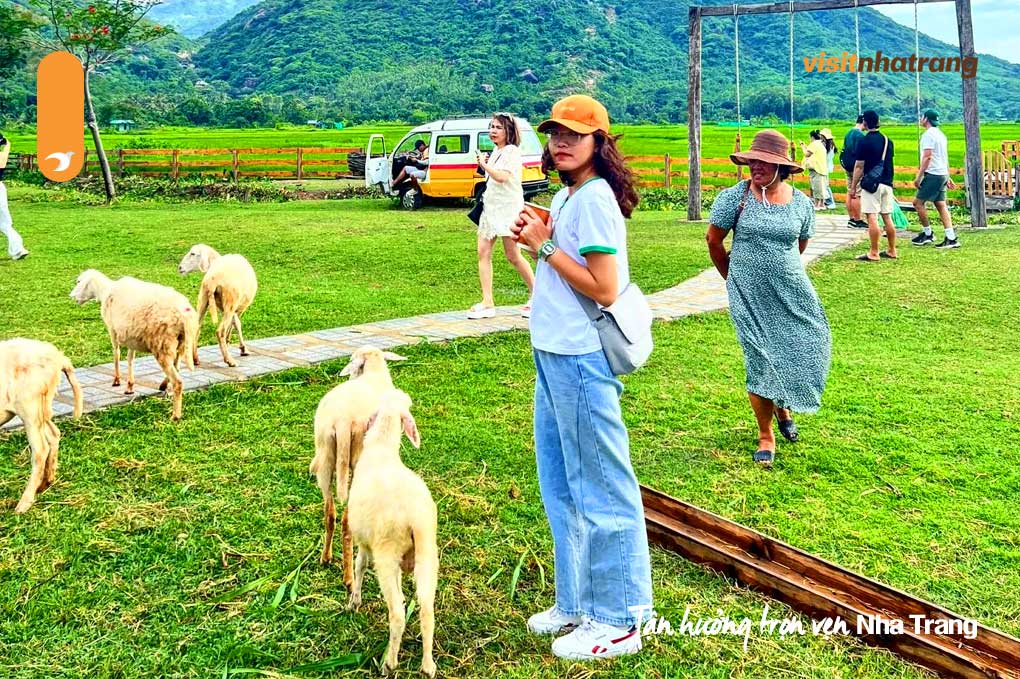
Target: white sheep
{"type": "Point", "coordinates": [339, 435]}
{"type": "Point", "coordinates": [393, 521]}
{"type": "Point", "coordinates": [229, 285]}
{"type": "Point", "coordinates": [144, 317]}
{"type": "Point", "coordinates": [29, 375]}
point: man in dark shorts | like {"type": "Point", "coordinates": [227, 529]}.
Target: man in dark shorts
{"type": "Point", "coordinates": [932, 181]}
{"type": "Point", "coordinates": [847, 158]}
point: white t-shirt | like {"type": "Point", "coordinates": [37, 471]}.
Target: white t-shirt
{"type": "Point", "coordinates": [934, 139]}
{"type": "Point", "coordinates": [590, 221]}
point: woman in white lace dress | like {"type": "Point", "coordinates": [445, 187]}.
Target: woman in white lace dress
{"type": "Point", "coordinates": [502, 203]}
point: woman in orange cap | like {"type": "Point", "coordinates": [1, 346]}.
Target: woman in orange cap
{"type": "Point", "coordinates": [779, 320]}
{"type": "Point", "coordinates": [590, 493]}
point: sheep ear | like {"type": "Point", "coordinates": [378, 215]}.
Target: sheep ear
{"type": "Point", "coordinates": [353, 368]}
{"type": "Point", "coordinates": [390, 356]}
{"type": "Point", "coordinates": [411, 429]}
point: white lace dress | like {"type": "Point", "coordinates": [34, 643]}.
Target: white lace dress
{"type": "Point", "coordinates": [503, 201]}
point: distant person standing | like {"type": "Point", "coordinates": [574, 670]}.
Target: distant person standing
{"type": "Point", "coordinates": [932, 181]}
{"type": "Point", "coordinates": [830, 154]}
{"type": "Point", "coordinates": [15, 246]}
{"type": "Point", "coordinates": [847, 158]}
{"type": "Point", "coordinates": [817, 167]}
{"type": "Point", "coordinates": [876, 150]}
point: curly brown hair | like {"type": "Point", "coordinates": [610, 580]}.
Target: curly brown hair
{"type": "Point", "coordinates": [609, 165]}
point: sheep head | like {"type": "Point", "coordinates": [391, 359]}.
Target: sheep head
{"type": "Point", "coordinates": [370, 358]}
{"type": "Point", "coordinates": [199, 258]}
{"type": "Point", "coordinates": [393, 405]}
{"type": "Point", "coordinates": [89, 286]}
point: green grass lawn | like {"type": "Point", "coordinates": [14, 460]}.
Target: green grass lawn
{"type": "Point", "coordinates": [638, 140]}
{"type": "Point", "coordinates": [162, 549]}
{"type": "Point", "coordinates": [321, 264]}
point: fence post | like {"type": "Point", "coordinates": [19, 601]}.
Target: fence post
{"type": "Point", "coordinates": [669, 168]}
{"type": "Point", "coordinates": [175, 166]}
{"type": "Point", "coordinates": [120, 162]}
{"type": "Point", "coordinates": [299, 161]}
{"type": "Point", "coordinates": [85, 163]}
{"type": "Point", "coordinates": [233, 153]}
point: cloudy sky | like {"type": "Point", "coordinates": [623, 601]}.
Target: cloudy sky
{"type": "Point", "coordinates": [990, 17]}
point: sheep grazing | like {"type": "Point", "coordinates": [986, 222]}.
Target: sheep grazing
{"type": "Point", "coordinates": [393, 521]}
{"type": "Point", "coordinates": [339, 434]}
{"type": "Point", "coordinates": [229, 285]}
{"type": "Point", "coordinates": [144, 317]}
{"type": "Point", "coordinates": [29, 375]}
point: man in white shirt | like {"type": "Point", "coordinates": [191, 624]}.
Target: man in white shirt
{"type": "Point", "coordinates": [931, 182]}
{"type": "Point", "coordinates": [15, 246]}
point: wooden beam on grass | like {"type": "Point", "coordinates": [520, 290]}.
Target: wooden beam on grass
{"type": "Point", "coordinates": [820, 589]}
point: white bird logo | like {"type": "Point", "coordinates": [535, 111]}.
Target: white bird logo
{"type": "Point", "coordinates": [63, 160]}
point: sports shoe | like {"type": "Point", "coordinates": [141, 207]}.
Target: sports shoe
{"type": "Point", "coordinates": [479, 311]}
{"type": "Point", "coordinates": [948, 244]}
{"type": "Point", "coordinates": [923, 238]}
{"type": "Point", "coordinates": [526, 309]}
{"type": "Point", "coordinates": [552, 621]}
{"type": "Point", "coordinates": [857, 224]}
{"type": "Point", "coordinates": [597, 640]}
{"type": "Point", "coordinates": [20, 255]}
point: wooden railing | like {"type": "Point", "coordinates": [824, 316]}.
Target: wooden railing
{"type": "Point", "coordinates": [716, 173]}
{"type": "Point", "coordinates": [287, 163]}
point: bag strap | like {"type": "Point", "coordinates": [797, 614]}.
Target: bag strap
{"type": "Point", "coordinates": [740, 208]}
{"type": "Point", "coordinates": [590, 306]}
{"type": "Point", "coordinates": [885, 147]}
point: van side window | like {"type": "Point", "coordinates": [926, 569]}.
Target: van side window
{"type": "Point", "coordinates": [452, 143]}
{"type": "Point", "coordinates": [485, 144]}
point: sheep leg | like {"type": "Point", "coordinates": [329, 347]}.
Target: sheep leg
{"type": "Point", "coordinates": [131, 372]}
{"type": "Point", "coordinates": [51, 460]}
{"type": "Point", "coordinates": [426, 574]}
{"type": "Point", "coordinates": [40, 449]}
{"type": "Point", "coordinates": [176, 385]}
{"type": "Point", "coordinates": [240, 337]}
{"type": "Point", "coordinates": [5, 417]}
{"type": "Point", "coordinates": [388, 571]}
{"type": "Point", "coordinates": [222, 333]}
{"type": "Point", "coordinates": [347, 547]}
{"type": "Point", "coordinates": [361, 565]}
{"type": "Point", "coordinates": [329, 509]}
{"type": "Point", "coordinates": [116, 363]}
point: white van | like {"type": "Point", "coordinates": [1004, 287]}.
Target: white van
{"type": "Point", "coordinates": [452, 169]}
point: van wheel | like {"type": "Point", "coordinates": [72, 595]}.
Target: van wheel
{"type": "Point", "coordinates": [411, 199]}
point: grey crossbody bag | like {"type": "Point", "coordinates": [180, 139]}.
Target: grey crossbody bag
{"type": "Point", "coordinates": [624, 327]}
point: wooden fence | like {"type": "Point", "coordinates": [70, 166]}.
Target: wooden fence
{"type": "Point", "coordinates": [716, 173]}
{"type": "Point", "coordinates": [287, 163]}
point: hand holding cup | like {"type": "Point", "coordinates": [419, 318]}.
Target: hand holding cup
{"type": "Point", "coordinates": [532, 227]}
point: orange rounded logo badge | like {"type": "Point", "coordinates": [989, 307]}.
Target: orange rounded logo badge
{"type": "Point", "coordinates": [60, 142]}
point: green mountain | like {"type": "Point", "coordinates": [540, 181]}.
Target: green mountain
{"type": "Point", "coordinates": [194, 18]}
{"type": "Point", "coordinates": [449, 56]}
{"type": "Point", "coordinates": [295, 60]}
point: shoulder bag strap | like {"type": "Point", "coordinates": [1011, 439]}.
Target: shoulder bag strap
{"type": "Point", "coordinates": [740, 208]}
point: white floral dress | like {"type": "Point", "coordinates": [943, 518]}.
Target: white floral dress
{"type": "Point", "coordinates": [502, 201]}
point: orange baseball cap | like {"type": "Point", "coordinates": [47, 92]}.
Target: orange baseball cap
{"type": "Point", "coordinates": [579, 113]}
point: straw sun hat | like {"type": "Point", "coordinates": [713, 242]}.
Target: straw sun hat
{"type": "Point", "coordinates": [770, 146]}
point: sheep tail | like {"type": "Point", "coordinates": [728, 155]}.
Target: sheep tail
{"type": "Point", "coordinates": [204, 294]}
{"type": "Point", "coordinates": [68, 371]}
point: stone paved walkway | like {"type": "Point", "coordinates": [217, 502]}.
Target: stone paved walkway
{"type": "Point", "coordinates": [705, 292]}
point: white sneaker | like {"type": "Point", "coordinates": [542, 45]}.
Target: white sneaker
{"type": "Point", "coordinates": [552, 622]}
{"type": "Point", "coordinates": [597, 640]}
{"type": "Point", "coordinates": [479, 311]}
{"type": "Point", "coordinates": [526, 309]}
{"type": "Point", "coordinates": [20, 255]}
